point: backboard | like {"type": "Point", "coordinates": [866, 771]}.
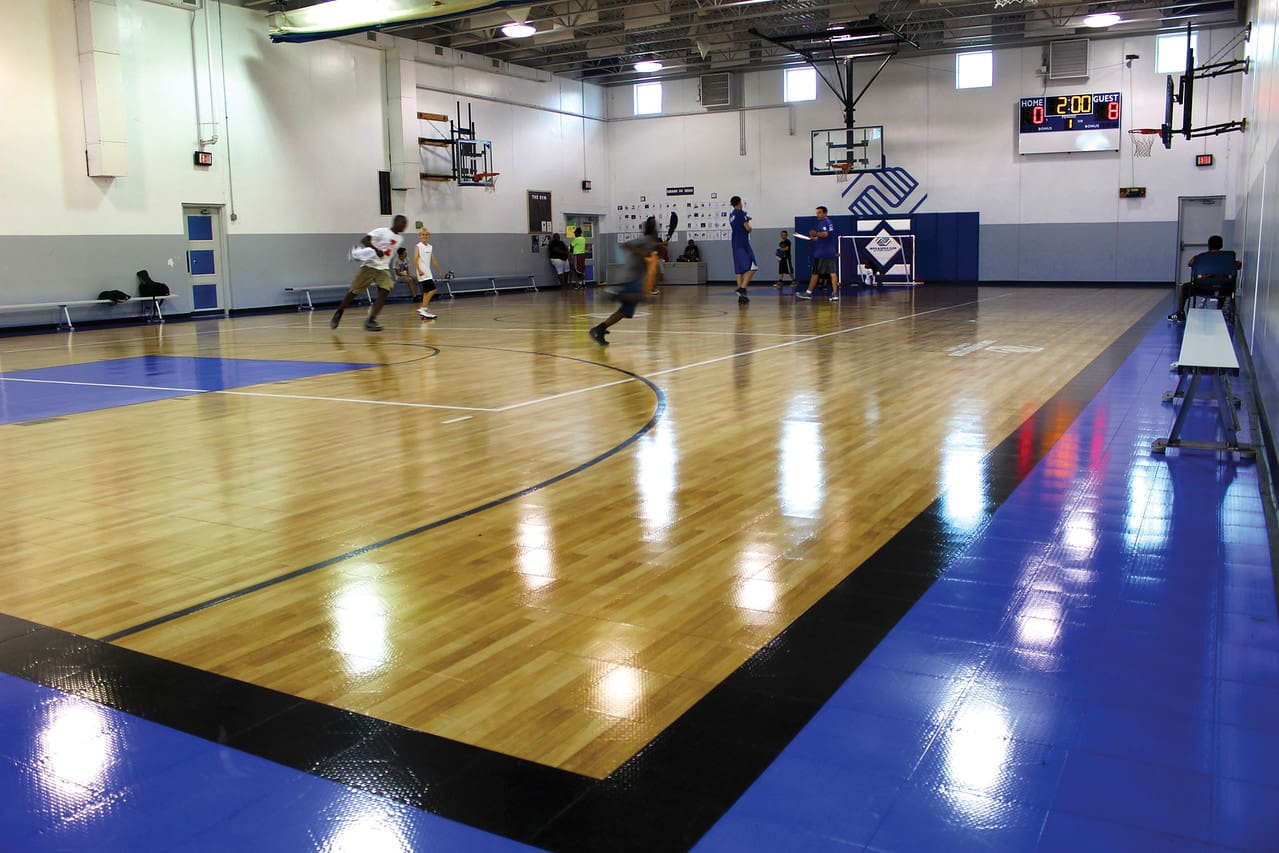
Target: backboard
{"type": "Point", "coordinates": [861, 147]}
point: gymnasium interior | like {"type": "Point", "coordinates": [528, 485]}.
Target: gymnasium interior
{"type": "Point", "coordinates": [967, 547]}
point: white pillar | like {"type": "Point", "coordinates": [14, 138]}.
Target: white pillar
{"type": "Point", "coordinates": [106, 133]}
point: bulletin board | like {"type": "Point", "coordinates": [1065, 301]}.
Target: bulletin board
{"type": "Point", "coordinates": [700, 219]}
{"type": "Point", "coordinates": [539, 212]}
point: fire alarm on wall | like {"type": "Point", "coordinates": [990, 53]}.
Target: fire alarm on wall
{"type": "Point", "coordinates": [1203, 160]}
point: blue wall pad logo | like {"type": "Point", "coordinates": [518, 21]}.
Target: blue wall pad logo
{"type": "Point", "coordinates": [883, 192]}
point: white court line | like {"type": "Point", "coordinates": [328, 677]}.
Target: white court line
{"type": "Point", "coordinates": [251, 394]}
{"type": "Point", "coordinates": [710, 361]}
{"type": "Point", "coordinates": [101, 385]}
{"type": "Point", "coordinates": [539, 400]}
{"type": "Point", "coordinates": [561, 396]}
{"type": "Point", "coordinates": [356, 400]}
{"type": "Point", "coordinates": [578, 330]}
{"type": "Point", "coordinates": [812, 338]}
{"type": "Point", "coordinates": [459, 420]}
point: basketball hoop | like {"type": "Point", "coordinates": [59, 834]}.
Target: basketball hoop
{"type": "Point", "coordinates": [488, 180]}
{"type": "Point", "coordinates": [844, 168]}
{"type": "Point", "coordinates": [1143, 140]}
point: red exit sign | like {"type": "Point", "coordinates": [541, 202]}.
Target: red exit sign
{"type": "Point", "coordinates": [1203, 159]}
{"type": "Point", "coordinates": [203, 158]}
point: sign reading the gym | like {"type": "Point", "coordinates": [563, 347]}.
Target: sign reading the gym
{"type": "Point", "coordinates": [679, 191]}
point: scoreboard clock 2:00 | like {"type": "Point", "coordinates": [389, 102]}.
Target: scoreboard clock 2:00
{"type": "Point", "coordinates": [1070, 123]}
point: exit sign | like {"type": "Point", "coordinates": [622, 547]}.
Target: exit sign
{"type": "Point", "coordinates": [203, 158]}
{"type": "Point", "coordinates": [1203, 159]}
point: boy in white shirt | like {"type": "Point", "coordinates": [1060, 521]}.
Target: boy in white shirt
{"type": "Point", "coordinates": [424, 260]}
{"type": "Point", "coordinates": [375, 251]}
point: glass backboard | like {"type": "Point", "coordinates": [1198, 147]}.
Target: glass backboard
{"type": "Point", "coordinates": [861, 148]}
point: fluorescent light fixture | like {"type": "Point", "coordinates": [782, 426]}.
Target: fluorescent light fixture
{"type": "Point", "coordinates": [1098, 20]}
{"type": "Point", "coordinates": [648, 66]}
{"type": "Point", "coordinates": [519, 31]}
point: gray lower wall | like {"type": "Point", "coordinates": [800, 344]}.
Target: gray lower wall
{"type": "Point", "coordinates": [260, 266]}
{"type": "Point", "coordinates": [1084, 251]}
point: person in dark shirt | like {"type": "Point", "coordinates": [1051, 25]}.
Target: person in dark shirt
{"type": "Point", "coordinates": [1205, 285]}
{"type": "Point", "coordinates": [557, 250]}
{"type": "Point", "coordinates": [640, 256]}
{"type": "Point", "coordinates": [744, 265]}
{"type": "Point", "coordinates": [825, 256]}
{"type": "Point", "coordinates": [785, 273]}
{"type": "Point", "coordinates": [692, 253]}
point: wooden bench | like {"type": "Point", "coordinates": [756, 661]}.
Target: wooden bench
{"type": "Point", "coordinates": [492, 280]}
{"type": "Point", "coordinates": [1207, 353]}
{"type": "Point", "coordinates": [304, 301]}
{"type": "Point", "coordinates": [151, 303]}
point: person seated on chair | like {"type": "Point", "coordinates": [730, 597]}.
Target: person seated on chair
{"type": "Point", "coordinates": [1218, 284]}
{"type": "Point", "coordinates": [692, 253]}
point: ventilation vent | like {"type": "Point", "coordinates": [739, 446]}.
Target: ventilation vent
{"type": "Point", "coordinates": [371, 36]}
{"type": "Point", "coordinates": [1068, 60]}
{"type": "Point", "coordinates": [718, 91]}
{"type": "Point", "coordinates": [439, 51]}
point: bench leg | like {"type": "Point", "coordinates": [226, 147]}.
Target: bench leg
{"type": "Point", "coordinates": [532, 280]}
{"type": "Point", "coordinates": [1174, 437]}
{"type": "Point", "coordinates": [64, 322]}
{"type": "Point", "coordinates": [306, 304]}
{"type": "Point", "coordinates": [493, 285]}
{"type": "Point", "coordinates": [159, 312]}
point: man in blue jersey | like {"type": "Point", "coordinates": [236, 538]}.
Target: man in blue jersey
{"type": "Point", "coordinates": [744, 265]}
{"type": "Point", "coordinates": [825, 256]}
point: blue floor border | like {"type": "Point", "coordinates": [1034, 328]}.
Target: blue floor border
{"type": "Point", "coordinates": [1098, 670]}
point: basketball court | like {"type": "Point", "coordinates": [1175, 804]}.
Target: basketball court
{"type": "Point", "coordinates": [488, 528]}
{"type": "Point", "coordinates": [912, 560]}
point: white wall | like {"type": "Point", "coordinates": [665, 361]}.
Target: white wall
{"type": "Point", "coordinates": [960, 145]}
{"type": "Point", "coordinates": [546, 136]}
{"type": "Point", "coordinates": [305, 134]}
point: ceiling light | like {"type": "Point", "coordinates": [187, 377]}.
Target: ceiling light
{"type": "Point", "coordinates": [1097, 20]}
{"type": "Point", "coordinates": [648, 66]}
{"type": "Point", "coordinates": [519, 31]}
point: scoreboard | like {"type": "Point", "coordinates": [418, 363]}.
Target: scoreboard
{"type": "Point", "coordinates": [1068, 123]}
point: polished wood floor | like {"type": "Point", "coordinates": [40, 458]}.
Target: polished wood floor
{"type": "Point", "coordinates": [566, 623]}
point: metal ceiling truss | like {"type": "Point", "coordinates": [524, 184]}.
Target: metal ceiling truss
{"type": "Point", "coordinates": [600, 40]}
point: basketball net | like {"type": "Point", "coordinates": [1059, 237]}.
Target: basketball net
{"type": "Point", "coordinates": [1143, 141]}
{"type": "Point", "coordinates": [842, 176]}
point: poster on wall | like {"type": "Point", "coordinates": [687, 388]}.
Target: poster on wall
{"type": "Point", "coordinates": [703, 220]}
{"type": "Point", "coordinates": [539, 212]}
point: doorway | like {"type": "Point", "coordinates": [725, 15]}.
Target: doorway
{"type": "Point", "coordinates": [588, 223]}
{"type": "Point", "coordinates": [206, 258]}
{"type": "Point", "coordinates": [1198, 218]}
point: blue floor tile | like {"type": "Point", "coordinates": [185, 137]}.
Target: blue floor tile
{"type": "Point", "coordinates": [1153, 797]}
{"type": "Point", "coordinates": [1069, 833]}
{"type": "Point", "coordinates": [1248, 754]}
{"type": "Point", "coordinates": [1246, 816]}
{"type": "Point", "coordinates": [938, 818]}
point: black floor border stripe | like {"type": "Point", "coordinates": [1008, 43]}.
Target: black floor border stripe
{"type": "Point", "coordinates": [658, 411]}
{"type": "Point", "coordinates": [663, 798]}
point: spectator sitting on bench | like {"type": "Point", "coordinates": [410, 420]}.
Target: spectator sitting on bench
{"type": "Point", "coordinates": [402, 272]}
{"type": "Point", "coordinates": [692, 254]}
{"type": "Point", "coordinates": [1215, 283]}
